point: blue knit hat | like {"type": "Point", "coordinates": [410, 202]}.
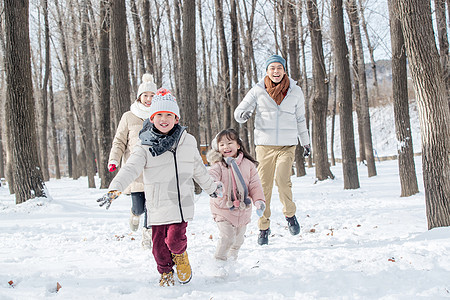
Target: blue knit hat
{"type": "Point", "coordinates": [276, 58]}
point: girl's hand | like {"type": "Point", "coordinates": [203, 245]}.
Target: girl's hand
{"type": "Point", "coordinates": [218, 192]}
{"type": "Point", "coordinates": [260, 207]}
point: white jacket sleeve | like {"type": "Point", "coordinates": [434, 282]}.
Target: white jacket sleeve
{"type": "Point", "coordinates": [302, 129]}
{"type": "Point", "coordinates": [130, 171]}
{"type": "Point", "coordinates": [247, 104]}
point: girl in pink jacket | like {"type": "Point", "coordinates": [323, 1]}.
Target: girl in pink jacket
{"type": "Point", "coordinates": [236, 169]}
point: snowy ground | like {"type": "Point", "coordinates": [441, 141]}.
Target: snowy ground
{"type": "Point", "coordinates": [367, 243]}
{"type": "Point", "coordinates": [355, 244]}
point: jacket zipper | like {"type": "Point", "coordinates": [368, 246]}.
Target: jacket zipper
{"type": "Point", "coordinates": [178, 183]}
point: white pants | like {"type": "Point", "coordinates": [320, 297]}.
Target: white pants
{"type": "Point", "coordinates": [230, 240]}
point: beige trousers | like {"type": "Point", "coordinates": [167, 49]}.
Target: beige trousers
{"type": "Point", "coordinates": [276, 161]}
{"type": "Point", "coordinates": [230, 240]}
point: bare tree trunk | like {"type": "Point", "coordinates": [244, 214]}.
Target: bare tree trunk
{"type": "Point", "coordinates": [406, 166]}
{"type": "Point", "coordinates": [54, 139]}
{"type": "Point", "coordinates": [294, 66]}
{"type": "Point", "coordinates": [207, 98]}
{"type": "Point", "coordinates": [147, 34]}
{"type": "Point", "coordinates": [370, 48]}
{"type": "Point", "coordinates": [137, 37]}
{"type": "Point", "coordinates": [102, 105]}
{"type": "Point", "coordinates": [42, 130]}
{"type": "Point", "coordinates": [304, 83]}
{"type": "Point", "coordinates": [368, 147]}
{"type": "Point", "coordinates": [189, 68]}
{"type": "Point", "coordinates": [443, 42]}
{"type": "Point", "coordinates": [356, 96]}
{"type": "Point", "coordinates": [86, 120]}
{"type": "Point", "coordinates": [434, 112]}
{"type": "Point", "coordinates": [252, 74]}
{"type": "Point", "coordinates": [28, 179]}
{"type": "Point", "coordinates": [333, 110]}
{"type": "Point", "coordinates": [134, 80]}
{"type": "Point", "coordinates": [119, 60]}
{"type": "Point", "coordinates": [234, 64]}
{"type": "Point", "coordinates": [344, 94]}
{"type": "Point", "coordinates": [71, 144]}
{"type": "Point", "coordinates": [176, 57]}
{"type": "Point", "coordinates": [320, 97]}
{"type": "Point", "coordinates": [227, 114]}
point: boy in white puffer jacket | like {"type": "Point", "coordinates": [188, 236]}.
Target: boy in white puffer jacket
{"type": "Point", "coordinates": [169, 160]}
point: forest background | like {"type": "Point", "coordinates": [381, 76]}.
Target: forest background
{"type": "Point", "coordinates": [72, 68]}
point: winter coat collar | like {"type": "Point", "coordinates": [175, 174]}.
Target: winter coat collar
{"type": "Point", "coordinates": [140, 110]}
{"type": "Point", "coordinates": [159, 142]}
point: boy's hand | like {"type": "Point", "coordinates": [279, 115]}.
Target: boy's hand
{"type": "Point", "coordinates": [260, 207]}
{"type": "Point", "coordinates": [218, 192]}
{"type": "Point", "coordinates": [108, 198]}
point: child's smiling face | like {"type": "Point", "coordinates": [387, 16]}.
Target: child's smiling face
{"type": "Point", "coordinates": [227, 147]}
{"type": "Point", "coordinates": [164, 121]}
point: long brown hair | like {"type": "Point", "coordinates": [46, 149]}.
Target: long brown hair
{"type": "Point", "coordinates": [233, 135]}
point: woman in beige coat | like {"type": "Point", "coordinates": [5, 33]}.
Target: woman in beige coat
{"type": "Point", "coordinates": [127, 136]}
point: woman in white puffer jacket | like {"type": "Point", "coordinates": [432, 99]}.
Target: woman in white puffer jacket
{"type": "Point", "coordinates": [126, 137]}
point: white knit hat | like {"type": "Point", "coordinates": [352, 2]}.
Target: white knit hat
{"type": "Point", "coordinates": [147, 85]}
{"type": "Point", "coordinates": [163, 101]}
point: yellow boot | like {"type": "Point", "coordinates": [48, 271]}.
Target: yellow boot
{"type": "Point", "coordinates": [166, 279]}
{"type": "Point", "coordinates": [184, 271]}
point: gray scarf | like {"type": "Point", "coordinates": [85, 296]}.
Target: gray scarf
{"type": "Point", "coordinates": [159, 142]}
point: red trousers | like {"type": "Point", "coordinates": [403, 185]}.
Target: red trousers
{"type": "Point", "coordinates": [168, 239]}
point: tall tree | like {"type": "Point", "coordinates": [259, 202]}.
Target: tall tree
{"type": "Point", "coordinates": [65, 66]}
{"type": "Point", "coordinates": [434, 112]}
{"type": "Point", "coordinates": [43, 103]}
{"type": "Point", "coordinates": [20, 115]}
{"type": "Point", "coordinates": [294, 67]}
{"type": "Point", "coordinates": [86, 117]}
{"type": "Point", "coordinates": [102, 104]}
{"type": "Point", "coordinates": [119, 60]}
{"type": "Point", "coordinates": [206, 92]}
{"type": "Point", "coordinates": [305, 87]}
{"type": "Point", "coordinates": [406, 166]}
{"type": "Point", "coordinates": [443, 41]}
{"type": "Point", "coordinates": [137, 37]}
{"type": "Point", "coordinates": [320, 96]}
{"type": "Point", "coordinates": [368, 146]}
{"type": "Point", "coordinates": [147, 34]}
{"type": "Point", "coordinates": [344, 94]}
{"type": "Point", "coordinates": [225, 66]}
{"type": "Point", "coordinates": [54, 139]}
{"type": "Point", "coordinates": [234, 63]}
{"type": "Point", "coordinates": [369, 47]}
{"type": "Point", "coordinates": [190, 68]}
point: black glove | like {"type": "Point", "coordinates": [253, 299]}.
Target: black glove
{"type": "Point", "coordinates": [245, 115]}
{"type": "Point", "coordinates": [306, 150]}
{"type": "Point", "coordinates": [108, 198]}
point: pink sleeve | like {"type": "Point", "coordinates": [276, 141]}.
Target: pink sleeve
{"type": "Point", "coordinates": [255, 190]}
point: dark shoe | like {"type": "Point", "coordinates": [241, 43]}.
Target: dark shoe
{"type": "Point", "coordinates": [263, 237]}
{"type": "Point", "coordinates": [294, 228]}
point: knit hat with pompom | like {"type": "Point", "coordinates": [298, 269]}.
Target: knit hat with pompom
{"type": "Point", "coordinates": [147, 85]}
{"type": "Point", "coordinates": [163, 101]}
